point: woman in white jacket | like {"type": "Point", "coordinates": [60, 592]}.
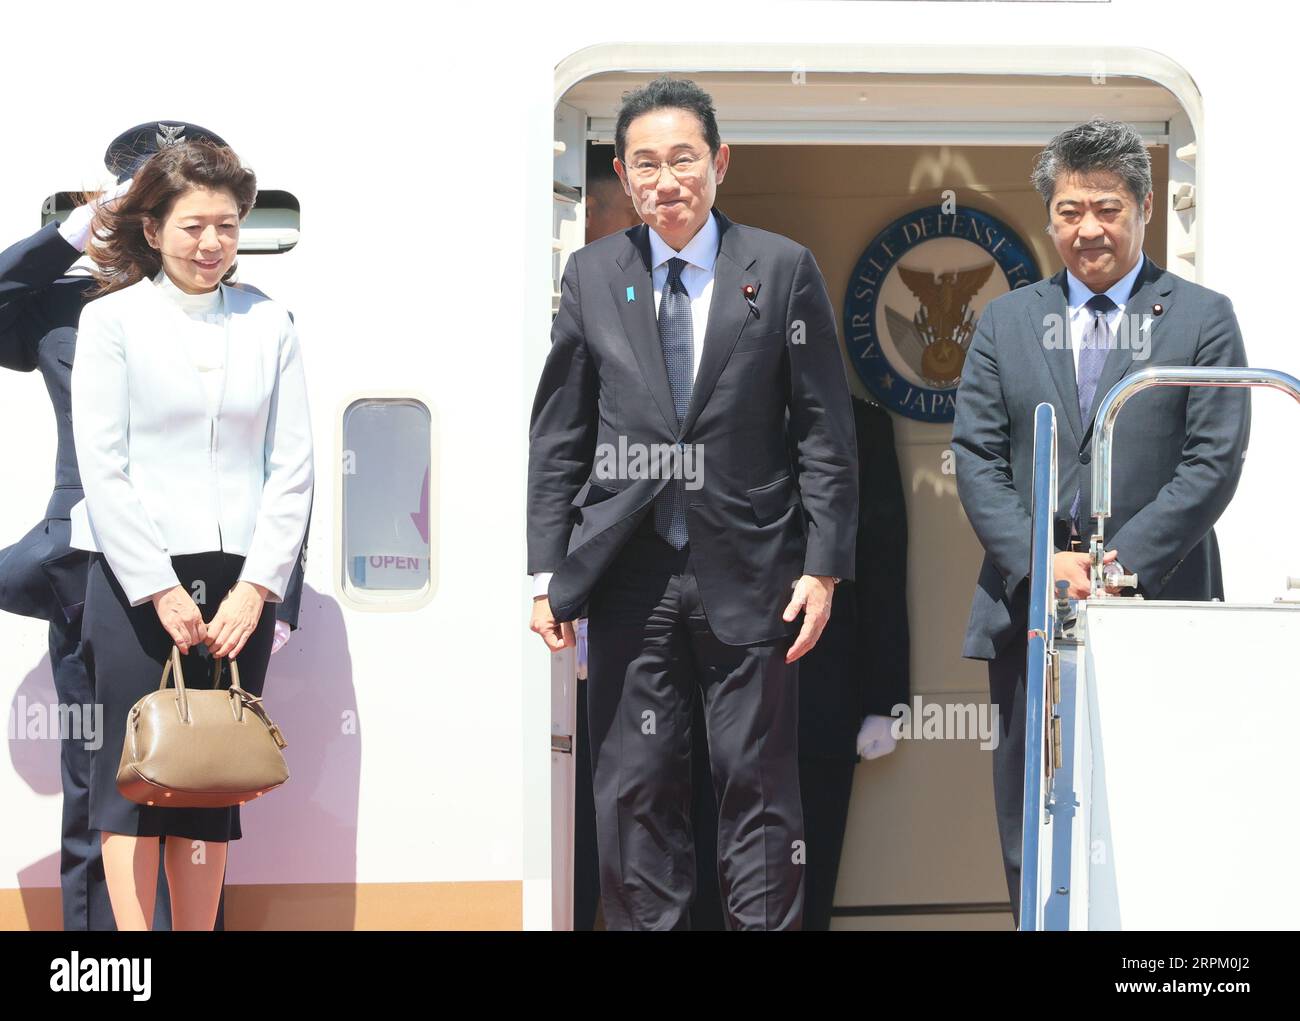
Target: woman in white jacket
{"type": "Point", "coordinates": [189, 412]}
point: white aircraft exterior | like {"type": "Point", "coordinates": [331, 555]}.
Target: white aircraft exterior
{"type": "Point", "coordinates": [436, 156]}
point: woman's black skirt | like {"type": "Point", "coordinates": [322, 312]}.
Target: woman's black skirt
{"type": "Point", "coordinates": [125, 648]}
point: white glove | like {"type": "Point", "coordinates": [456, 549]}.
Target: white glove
{"type": "Point", "coordinates": [76, 228]}
{"type": "Point", "coordinates": [281, 636]}
{"type": "Point", "coordinates": [876, 738]}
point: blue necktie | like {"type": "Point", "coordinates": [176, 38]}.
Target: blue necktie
{"type": "Point", "coordinates": [1097, 342]}
{"type": "Point", "coordinates": [677, 337]}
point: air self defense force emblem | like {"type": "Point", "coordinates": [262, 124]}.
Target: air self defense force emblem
{"type": "Point", "coordinates": [915, 297]}
{"type": "Point", "coordinates": [169, 134]}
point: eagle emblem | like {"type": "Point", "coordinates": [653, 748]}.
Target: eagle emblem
{"type": "Point", "coordinates": [935, 340]}
{"type": "Point", "coordinates": [169, 134]}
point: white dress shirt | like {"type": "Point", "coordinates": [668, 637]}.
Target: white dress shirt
{"type": "Point", "coordinates": [1080, 316]}
{"type": "Point", "coordinates": [700, 253]}
{"type": "Point", "coordinates": [164, 476]}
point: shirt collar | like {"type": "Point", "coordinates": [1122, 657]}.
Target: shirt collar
{"type": "Point", "coordinates": [1119, 292]}
{"type": "Point", "coordinates": [701, 250]}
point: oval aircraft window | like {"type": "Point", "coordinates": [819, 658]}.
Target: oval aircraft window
{"type": "Point", "coordinates": [271, 227]}
{"type": "Point", "coordinates": [386, 523]}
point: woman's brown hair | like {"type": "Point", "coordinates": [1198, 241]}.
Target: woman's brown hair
{"type": "Point", "coordinates": [118, 247]}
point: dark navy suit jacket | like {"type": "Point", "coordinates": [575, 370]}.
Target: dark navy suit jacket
{"type": "Point", "coordinates": [40, 305]}
{"type": "Point", "coordinates": [770, 377]}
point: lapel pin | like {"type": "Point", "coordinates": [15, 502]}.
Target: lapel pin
{"type": "Point", "coordinates": [1157, 309]}
{"type": "Point", "coordinates": [750, 291]}
{"type": "Point", "coordinates": [631, 294]}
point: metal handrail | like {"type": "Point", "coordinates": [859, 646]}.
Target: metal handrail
{"type": "Point", "coordinates": [1042, 624]}
{"type": "Point", "coordinates": [1042, 606]}
{"type": "Point", "coordinates": [1119, 395]}
{"type": "Point", "coordinates": [1165, 375]}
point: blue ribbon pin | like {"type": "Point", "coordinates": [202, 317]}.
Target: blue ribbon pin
{"type": "Point", "coordinates": [631, 294]}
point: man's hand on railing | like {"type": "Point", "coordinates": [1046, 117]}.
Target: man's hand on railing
{"type": "Point", "coordinates": [1076, 568]}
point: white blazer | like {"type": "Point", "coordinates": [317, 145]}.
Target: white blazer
{"type": "Point", "coordinates": [161, 477]}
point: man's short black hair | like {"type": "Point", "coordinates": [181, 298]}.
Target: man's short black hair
{"type": "Point", "coordinates": [1096, 145]}
{"type": "Point", "coordinates": [667, 92]}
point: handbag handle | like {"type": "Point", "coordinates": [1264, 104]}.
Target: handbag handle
{"type": "Point", "coordinates": [173, 668]}
{"type": "Point", "coordinates": [234, 674]}
{"type": "Point", "coordinates": [242, 698]}
{"type": "Point", "coordinates": [237, 694]}
{"type": "Point", "coordinates": [239, 697]}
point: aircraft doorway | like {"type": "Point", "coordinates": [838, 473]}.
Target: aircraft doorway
{"type": "Point", "coordinates": [834, 167]}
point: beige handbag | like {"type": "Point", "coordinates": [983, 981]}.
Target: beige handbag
{"type": "Point", "coordinates": [199, 748]}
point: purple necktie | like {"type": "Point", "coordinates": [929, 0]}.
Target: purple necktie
{"type": "Point", "coordinates": [1096, 344]}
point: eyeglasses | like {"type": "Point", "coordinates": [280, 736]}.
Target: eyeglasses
{"type": "Point", "coordinates": [684, 167]}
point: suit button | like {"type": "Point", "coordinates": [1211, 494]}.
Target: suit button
{"type": "Point", "coordinates": [1084, 457]}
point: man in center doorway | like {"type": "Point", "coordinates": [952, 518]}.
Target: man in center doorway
{"type": "Point", "coordinates": [692, 334]}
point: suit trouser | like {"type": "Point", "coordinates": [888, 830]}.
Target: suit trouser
{"type": "Point", "coordinates": [826, 786]}
{"type": "Point", "coordinates": [707, 914]}
{"type": "Point", "coordinates": [586, 868]}
{"type": "Point", "coordinates": [706, 908]}
{"type": "Point", "coordinates": [1007, 694]}
{"type": "Point", "coordinates": [651, 653]}
{"type": "Point", "coordinates": [81, 868]}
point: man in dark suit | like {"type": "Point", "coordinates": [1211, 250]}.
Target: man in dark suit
{"type": "Point", "coordinates": [1068, 340]}
{"type": "Point", "coordinates": [663, 498]}
{"type": "Point", "coordinates": [41, 575]}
